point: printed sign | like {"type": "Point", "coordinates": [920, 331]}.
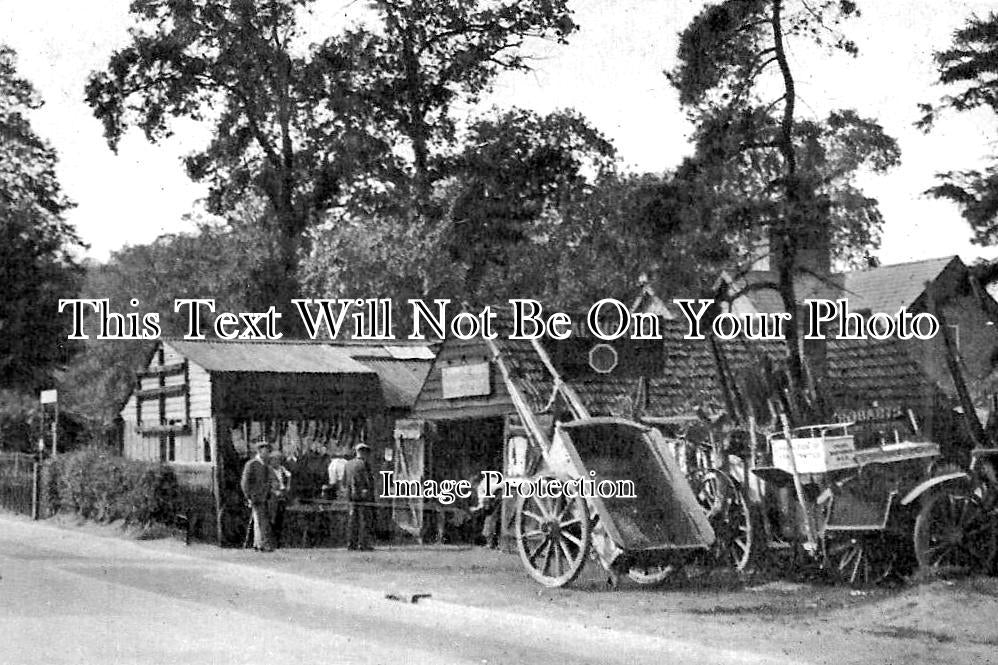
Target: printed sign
{"type": "Point", "coordinates": [49, 397]}
{"type": "Point", "coordinates": [466, 381]}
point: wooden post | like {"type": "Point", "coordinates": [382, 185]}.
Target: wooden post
{"type": "Point", "coordinates": [812, 540]}
{"type": "Point", "coordinates": [36, 489]}
{"type": "Point", "coordinates": [55, 431]}
{"type": "Point", "coordinates": [953, 362]}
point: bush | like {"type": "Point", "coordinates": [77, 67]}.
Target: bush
{"type": "Point", "coordinates": [96, 484]}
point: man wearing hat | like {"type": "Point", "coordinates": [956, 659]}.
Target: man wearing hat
{"type": "Point", "coordinates": [358, 482]}
{"type": "Point", "coordinates": [256, 486]}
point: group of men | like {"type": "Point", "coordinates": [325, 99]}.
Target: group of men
{"type": "Point", "coordinates": [266, 484]}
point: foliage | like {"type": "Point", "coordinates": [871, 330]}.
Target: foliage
{"type": "Point", "coordinates": [968, 66]}
{"type": "Point", "coordinates": [238, 65]}
{"type": "Point", "coordinates": [36, 243]}
{"type": "Point", "coordinates": [98, 485]}
{"type": "Point", "coordinates": [518, 204]}
{"type": "Point", "coordinates": [425, 58]}
{"type": "Point", "coordinates": [761, 172]}
{"type": "Point", "coordinates": [20, 421]}
{"type": "Point", "coordinates": [212, 262]}
{"type": "Point", "coordinates": [309, 127]}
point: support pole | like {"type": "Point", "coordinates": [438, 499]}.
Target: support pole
{"type": "Point", "coordinates": [36, 489]}
{"type": "Point", "coordinates": [812, 541]}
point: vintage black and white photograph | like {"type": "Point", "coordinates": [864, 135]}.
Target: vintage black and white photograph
{"type": "Point", "coordinates": [505, 332]}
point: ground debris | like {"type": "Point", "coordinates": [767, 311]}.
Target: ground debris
{"type": "Point", "coordinates": [407, 597]}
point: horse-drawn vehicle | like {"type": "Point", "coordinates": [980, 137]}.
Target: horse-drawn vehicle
{"type": "Point", "coordinates": [861, 513]}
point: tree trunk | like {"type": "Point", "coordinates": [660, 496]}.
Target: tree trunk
{"type": "Point", "coordinates": [790, 226]}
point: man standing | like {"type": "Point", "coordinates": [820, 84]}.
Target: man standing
{"type": "Point", "coordinates": [280, 492]}
{"type": "Point", "coordinates": [358, 482]}
{"type": "Point", "coordinates": [256, 486]}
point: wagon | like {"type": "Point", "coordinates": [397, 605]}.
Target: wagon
{"type": "Point", "coordinates": [636, 513]}
{"type": "Point", "coordinates": [644, 535]}
{"type": "Point", "coordinates": [848, 512]}
{"type": "Point", "coordinates": [957, 523]}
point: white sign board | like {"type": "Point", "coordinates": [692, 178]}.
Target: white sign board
{"type": "Point", "coordinates": [49, 396]}
{"type": "Point", "coordinates": [466, 381]}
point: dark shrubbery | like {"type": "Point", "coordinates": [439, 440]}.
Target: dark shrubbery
{"type": "Point", "coordinates": [99, 485]}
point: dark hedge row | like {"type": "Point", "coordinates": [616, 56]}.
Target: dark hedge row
{"type": "Point", "coordinates": [97, 484]}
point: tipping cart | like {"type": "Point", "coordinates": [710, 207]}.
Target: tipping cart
{"type": "Point", "coordinates": [644, 536]}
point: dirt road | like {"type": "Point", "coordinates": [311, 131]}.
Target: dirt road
{"type": "Point", "coordinates": [71, 595]}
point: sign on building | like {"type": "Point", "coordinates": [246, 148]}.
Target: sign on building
{"type": "Point", "coordinates": [466, 381]}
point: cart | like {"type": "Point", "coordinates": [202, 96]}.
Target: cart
{"type": "Point", "coordinates": [644, 531]}
{"type": "Point", "coordinates": [957, 523]}
{"type": "Point", "coordinates": [846, 509]}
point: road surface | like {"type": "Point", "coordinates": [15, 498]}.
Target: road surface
{"type": "Point", "coordinates": [71, 597]}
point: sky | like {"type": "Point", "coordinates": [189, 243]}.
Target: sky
{"type": "Point", "coordinates": [611, 72]}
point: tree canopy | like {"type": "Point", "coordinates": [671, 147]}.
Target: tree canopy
{"type": "Point", "coordinates": [37, 244]}
{"type": "Point", "coordinates": [761, 171]}
{"type": "Point", "coordinates": [968, 68]}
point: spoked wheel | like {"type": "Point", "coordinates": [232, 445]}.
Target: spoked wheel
{"type": "Point", "coordinates": [652, 575]}
{"type": "Point", "coordinates": [730, 517]}
{"type": "Point", "coordinates": [861, 560]}
{"type": "Point", "coordinates": [552, 536]}
{"type": "Point", "coordinates": [955, 531]}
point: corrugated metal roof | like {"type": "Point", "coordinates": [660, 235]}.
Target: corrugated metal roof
{"type": "Point", "coordinates": [282, 357]}
{"type": "Point", "coordinates": [400, 379]}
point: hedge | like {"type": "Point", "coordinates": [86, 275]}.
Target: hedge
{"type": "Point", "coordinates": [99, 485]}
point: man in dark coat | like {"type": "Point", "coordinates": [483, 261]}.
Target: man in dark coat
{"type": "Point", "coordinates": [256, 486]}
{"type": "Point", "coordinates": [358, 484]}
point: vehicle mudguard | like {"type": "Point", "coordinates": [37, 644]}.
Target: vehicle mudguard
{"type": "Point", "coordinates": [932, 483]}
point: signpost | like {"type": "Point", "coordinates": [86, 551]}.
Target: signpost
{"type": "Point", "coordinates": [51, 397]}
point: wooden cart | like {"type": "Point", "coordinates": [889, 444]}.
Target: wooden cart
{"type": "Point", "coordinates": [848, 511]}
{"type": "Point", "coordinates": [644, 536]}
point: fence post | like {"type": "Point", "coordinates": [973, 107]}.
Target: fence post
{"type": "Point", "coordinates": [36, 490]}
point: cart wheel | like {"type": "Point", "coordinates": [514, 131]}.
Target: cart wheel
{"type": "Point", "coordinates": [552, 536]}
{"type": "Point", "coordinates": [955, 531]}
{"type": "Point", "coordinates": [652, 575]}
{"type": "Point", "coordinates": [861, 560]}
{"type": "Point", "coordinates": [730, 517]}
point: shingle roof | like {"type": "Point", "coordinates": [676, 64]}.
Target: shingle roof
{"type": "Point", "coordinates": [869, 371]}
{"type": "Point", "coordinates": [889, 288]}
{"type": "Point", "coordinates": [280, 357]}
{"type": "Point", "coordinates": [883, 289]}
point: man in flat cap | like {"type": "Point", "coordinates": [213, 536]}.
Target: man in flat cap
{"type": "Point", "coordinates": [256, 486]}
{"type": "Point", "coordinates": [358, 483]}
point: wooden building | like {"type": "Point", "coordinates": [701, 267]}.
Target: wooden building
{"type": "Point", "coordinates": [199, 405]}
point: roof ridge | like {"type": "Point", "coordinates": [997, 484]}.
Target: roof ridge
{"type": "Point", "coordinates": [899, 265]}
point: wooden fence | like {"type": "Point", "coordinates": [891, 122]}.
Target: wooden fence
{"type": "Point", "coordinates": [16, 482]}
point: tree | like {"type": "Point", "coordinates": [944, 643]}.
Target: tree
{"type": "Point", "coordinates": [429, 56]}
{"type": "Point", "coordinates": [209, 263]}
{"type": "Point", "coordinates": [239, 65]}
{"type": "Point", "coordinates": [515, 182]}
{"type": "Point", "coordinates": [968, 66]}
{"type": "Point", "coordinates": [309, 127]}
{"type": "Point", "coordinates": [37, 266]}
{"type": "Point", "coordinates": [759, 168]}
{"type": "Point", "coordinates": [513, 206]}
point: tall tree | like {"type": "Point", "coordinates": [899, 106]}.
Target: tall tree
{"type": "Point", "coordinates": [968, 67]}
{"type": "Point", "coordinates": [517, 190]}
{"type": "Point", "coordinates": [209, 263]}
{"type": "Point", "coordinates": [240, 64]}
{"type": "Point", "coordinates": [767, 171]}
{"type": "Point", "coordinates": [37, 266]}
{"type": "Point", "coordinates": [429, 56]}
